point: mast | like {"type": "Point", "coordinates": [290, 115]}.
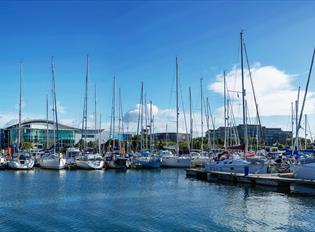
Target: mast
{"type": "Point", "coordinates": [46, 121]}
{"type": "Point", "coordinates": [113, 111]}
{"type": "Point", "coordinates": [95, 112]}
{"type": "Point", "coordinates": [146, 121]}
{"type": "Point", "coordinates": [191, 123]}
{"type": "Point", "coordinates": [84, 122]}
{"type": "Point", "coordinates": [100, 135]}
{"type": "Point", "coordinates": [141, 116]}
{"type": "Point", "coordinates": [177, 109]}
{"type": "Point", "coordinates": [201, 117]}
{"type": "Point", "coordinates": [225, 117]}
{"type": "Point", "coordinates": [292, 126]}
{"type": "Point", "coordinates": [296, 120]}
{"type": "Point", "coordinates": [305, 132]}
{"type": "Point", "coordinates": [20, 106]}
{"type": "Point", "coordinates": [208, 124]}
{"type": "Point", "coordinates": [151, 122]}
{"type": "Point", "coordinates": [243, 98]}
{"type": "Point", "coordinates": [55, 115]}
{"type": "Point", "coordinates": [119, 118]}
{"type": "Point", "coordinates": [306, 89]}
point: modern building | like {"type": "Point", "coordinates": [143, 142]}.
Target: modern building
{"type": "Point", "coordinates": [40, 134]}
{"type": "Point", "coordinates": [270, 135]}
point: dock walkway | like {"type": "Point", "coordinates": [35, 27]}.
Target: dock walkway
{"type": "Point", "coordinates": [282, 182]}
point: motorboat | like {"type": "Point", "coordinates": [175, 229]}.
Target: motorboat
{"type": "Point", "coordinates": [90, 161]}
{"type": "Point", "coordinates": [21, 160]}
{"type": "Point", "coordinates": [52, 160]}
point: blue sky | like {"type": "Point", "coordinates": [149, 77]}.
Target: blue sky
{"type": "Point", "coordinates": [138, 40]}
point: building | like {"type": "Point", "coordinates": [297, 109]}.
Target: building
{"type": "Point", "coordinates": [270, 135]}
{"type": "Point", "coordinates": [36, 133]}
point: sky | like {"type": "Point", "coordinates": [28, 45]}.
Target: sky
{"type": "Point", "coordinates": [139, 41]}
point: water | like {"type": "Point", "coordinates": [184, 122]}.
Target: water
{"type": "Point", "coordinates": [148, 200]}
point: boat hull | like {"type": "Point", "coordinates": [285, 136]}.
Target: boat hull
{"type": "Point", "coordinates": [89, 164]}
{"type": "Point", "coordinates": [176, 162]}
{"type": "Point", "coordinates": [235, 166]}
{"type": "Point", "coordinates": [52, 163]}
{"type": "Point", "coordinates": [21, 165]}
{"type": "Point", "coordinates": [304, 171]}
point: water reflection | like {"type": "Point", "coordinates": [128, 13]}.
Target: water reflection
{"type": "Point", "coordinates": [143, 199]}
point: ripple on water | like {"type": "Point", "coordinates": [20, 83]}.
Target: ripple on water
{"type": "Point", "coordinates": [144, 200]}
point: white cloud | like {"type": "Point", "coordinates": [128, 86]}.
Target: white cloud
{"type": "Point", "coordinates": [165, 119]}
{"type": "Point", "coordinates": [274, 91]}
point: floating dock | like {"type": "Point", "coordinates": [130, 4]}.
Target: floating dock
{"type": "Point", "coordinates": [283, 182]}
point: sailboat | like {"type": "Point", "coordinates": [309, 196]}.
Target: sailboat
{"type": "Point", "coordinates": [88, 159]}
{"type": "Point", "coordinates": [53, 159]}
{"type": "Point", "coordinates": [21, 160]}
{"type": "Point", "coordinates": [305, 167]}
{"type": "Point", "coordinates": [171, 160]}
{"type": "Point", "coordinates": [144, 158]}
{"type": "Point", "coordinates": [233, 163]}
{"type": "Point", "coordinates": [113, 159]}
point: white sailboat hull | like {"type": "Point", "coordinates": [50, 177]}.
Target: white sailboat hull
{"type": "Point", "coordinates": [236, 166]}
{"type": "Point", "coordinates": [21, 164]}
{"type": "Point", "coordinates": [176, 162]}
{"type": "Point", "coordinates": [52, 163]}
{"type": "Point", "coordinates": [90, 164]}
{"type": "Point", "coordinates": [304, 171]}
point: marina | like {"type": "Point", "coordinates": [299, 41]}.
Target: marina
{"type": "Point", "coordinates": [157, 116]}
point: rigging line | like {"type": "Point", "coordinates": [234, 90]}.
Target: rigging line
{"type": "Point", "coordinates": [253, 89]}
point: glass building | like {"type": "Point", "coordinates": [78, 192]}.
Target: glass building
{"type": "Point", "coordinates": [40, 134]}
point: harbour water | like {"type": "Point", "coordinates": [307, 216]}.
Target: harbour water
{"type": "Point", "coordinates": [143, 200]}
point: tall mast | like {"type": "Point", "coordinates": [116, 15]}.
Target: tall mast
{"type": "Point", "coordinates": [151, 122]}
{"type": "Point", "coordinates": [292, 126]}
{"type": "Point", "coordinates": [20, 105]}
{"type": "Point", "coordinates": [113, 110]}
{"type": "Point", "coordinates": [191, 122]}
{"type": "Point", "coordinates": [177, 108]}
{"type": "Point", "coordinates": [201, 117]}
{"type": "Point", "coordinates": [306, 89]}
{"type": "Point", "coordinates": [119, 118]}
{"type": "Point", "coordinates": [141, 116]}
{"type": "Point", "coordinates": [55, 115]}
{"type": "Point", "coordinates": [225, 116]}
{"type": "Point", "coordinates": [243, 98]}
{"type": "Point", "coordinates": [95, 112]}
{"type": "Point", "coordinates": [305, 132]}
{"type": "Point", "coordinates": [146, 121]}
{"type": "Point", "coordinates": [100, 134]}
{"type": "Point", "coordinates": [84, 122]}
{"type": "Point", "coordinates": [46, 121]}
{"type": "Point", "coordinates": [296, 119]}
{"type": "Point", "coordinates": [208, 124]}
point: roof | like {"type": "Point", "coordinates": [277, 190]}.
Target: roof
{"type": "Point", "coordinates": [44, 122]}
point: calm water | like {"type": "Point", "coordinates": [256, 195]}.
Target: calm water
{"type": "Point", "coordinates": [159, 200]}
